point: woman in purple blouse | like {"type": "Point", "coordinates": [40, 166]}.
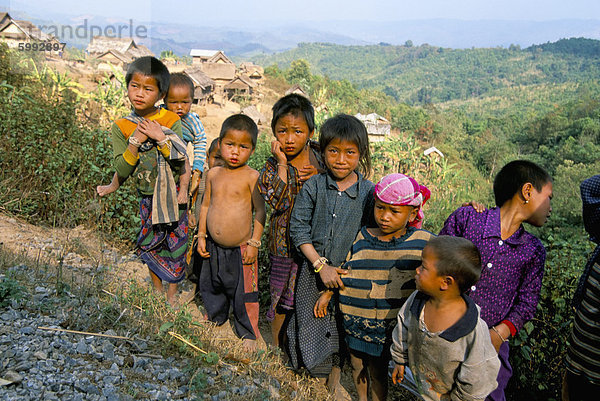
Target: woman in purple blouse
{"type": "Point", "coordinates": [512, 259]}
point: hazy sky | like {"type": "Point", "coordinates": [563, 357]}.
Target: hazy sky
{"type": "Point", "coordinates": [282, 11]}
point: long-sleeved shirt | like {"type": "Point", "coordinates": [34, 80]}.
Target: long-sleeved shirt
{"type": "Point", "coordinates": [193, 131]}
{"type": "Point", "coordinates": [511, 269]}
{"type": "Point", "coordinates": [582, 354]}
{"type": "Point", "coordinates": [144, 166]}
{"type": "Point", "coordinates": [459, 363]}
{"type": "Point", "coordinates": [381, 277]}
{"type": "Point", "coordinates": [328, 218]}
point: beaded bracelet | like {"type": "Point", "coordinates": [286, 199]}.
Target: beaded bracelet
{"type": "Point", "coordinates": [200, 233]}
{"type": "Point", "coordinates": [499, 335]}
{"type": "Point", "coordinates": [253, 242]}
{"type": "Point", "coordinates": [163, 142]}
{"type": "Point", "coordinates": [134, 141]}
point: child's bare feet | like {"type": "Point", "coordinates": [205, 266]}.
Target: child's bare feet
{"type": "Point", "coordinates": [106, 189]}
{"type": "Point", "coordinates": [249, 345]}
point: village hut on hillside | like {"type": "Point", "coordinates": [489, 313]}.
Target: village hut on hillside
{"type": "Point", "coordinates": [203, 85]}
{"type": "Point", "coordinates": [216, 65]}
{"type": "Point", "coordinates": [377, 126]}
{"type": "Point", "coordinates": [118, 52]}
{"type": "Point", "coordinates": [254, 114]}
{"type": "Point", "coordinates": [200, 56]}
{"type": "Point", "coordinates": [114, 58]}
{"type": "Point", "coordinates": [297, 89]}
{"type": "Point", "coordinates": [16, 33]}
{"type": "Point", "coordinates": [253, 71]}
{"type": "Point", "coordinates": [239, 86]}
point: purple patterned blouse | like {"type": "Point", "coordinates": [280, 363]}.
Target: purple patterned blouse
{"type": "Point", "coordinates": [511, 270]}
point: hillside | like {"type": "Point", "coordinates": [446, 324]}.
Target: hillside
{"type": "Point", "coordinates": [428, 74]}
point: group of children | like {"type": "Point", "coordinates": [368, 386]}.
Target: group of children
{"type": "Point", "coordinates": [354, 278]}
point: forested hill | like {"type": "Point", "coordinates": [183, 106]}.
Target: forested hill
{"type": "Point", "coordinates": [430, 74]}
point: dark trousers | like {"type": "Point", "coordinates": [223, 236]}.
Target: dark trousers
{"type": "Point", "coordinates": [224, 282]}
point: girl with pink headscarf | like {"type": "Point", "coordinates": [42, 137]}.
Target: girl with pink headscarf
{"type": "Point", "coordinates": [381, 276]}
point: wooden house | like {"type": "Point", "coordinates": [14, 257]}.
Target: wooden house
{"type": "Point", "coordinates": [203, 85]}
{"type": "Point", "coordinates": [117, 51]}
{"type": "Point", "coordinates": [254, 114]}
{"type": "Point", "coordinates": [377, 126]}
{"type": "Point", "coordinates": [239, 86]}
{"type": "Point", "coordinates": [221, 73]}
{"type": "Point", "coordinates": [114, 58]}
{"type": "Point", "coordinates": [297, 89]}
{"type": "Point", "coordinates": [253, 71]}
{"type": "Point", "coordinates": [200, 56]}
{"type": "Point", "coordinates": [16, 33]}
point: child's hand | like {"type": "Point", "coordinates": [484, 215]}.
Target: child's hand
{"type": "Point", "coordinates": [479, 207]}
{"type": "Point", "coordinates": [277, 151]}
{"type": "Point", "coordinates": [141, 137]}
{"type": "Point", "coordinates": [320, 308]}
{"type": "Point", "coordinates": [306, 172]}
{"type": "Point", "coordinates": [398, 374]}
{"type": "Point", "coordinates": [152, 129]}
{"type": "Point", "coordinates": [249, 255]}
{"type": "Point", "coordinates": [191, 219]}
{"type": "Point", "coordinates": [330, 276]}
{"type": "Point", "coordinates": [201, 248]}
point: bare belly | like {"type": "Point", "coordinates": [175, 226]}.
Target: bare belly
{"type": "Point", "coordinates": [229, 225]}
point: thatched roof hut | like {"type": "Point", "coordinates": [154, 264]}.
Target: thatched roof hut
{"type": "Point", "coordinates": [254, 114]}
{"type": "Point", "coordinates": [15, 33]}
{"type": "Point", "coordinates": [297, 89]}
{"type": "Point", "coordinates": [100, 45]}
{"type": "Point", "coordinates": [203, 85]}
{"type": "Point", "coordinates": [221, 73]}
{"type": "Point", "coordinates": [377, 126]}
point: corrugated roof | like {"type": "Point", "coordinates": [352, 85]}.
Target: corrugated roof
{"type": "Point", "coordinates": [202, 53]}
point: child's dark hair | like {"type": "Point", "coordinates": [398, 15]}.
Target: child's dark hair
{"type": "Point", "coordinates": [151, 67]}
{"type": "Point", "coordinates": [296, 105]}
{"type": "Point", "coordinates": [213, 145]}
{"type": "Point", "coordinates": [181, 79]}
{"type": "Point", "coordinates": [511, 178]}
{"type": "Point", "coordinates": [240, 122]}
{"type": "Point", "coordinates": [348, 128]}
{"type": "Point", "coordinates": [457, 257]}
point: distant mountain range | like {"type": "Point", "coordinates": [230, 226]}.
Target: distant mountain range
{"type": "Point", "coordinates": [242, 40]}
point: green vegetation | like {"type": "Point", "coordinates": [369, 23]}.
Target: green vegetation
{"type": "Point", "coordinates": [428, 74]}
{"type": "Point", "coordinates": [480, 107]}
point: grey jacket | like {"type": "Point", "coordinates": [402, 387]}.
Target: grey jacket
{"type": "Point", "coordinates": [459, 363]}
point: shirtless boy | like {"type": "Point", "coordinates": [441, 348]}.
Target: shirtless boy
{"type": "Point", "coordinates": [227, 235]}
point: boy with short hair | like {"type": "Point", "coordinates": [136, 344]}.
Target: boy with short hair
{"type": "Point", "coordinates": [147, 145]}
{"type": "Point", "coordinates": [440, 334]}
{"type": "Point", "coordinates": [227, 234]}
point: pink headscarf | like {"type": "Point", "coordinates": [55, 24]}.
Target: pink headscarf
{"type": "Point", "coordinates": [400, 189]}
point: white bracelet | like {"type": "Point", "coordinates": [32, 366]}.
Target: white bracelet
{"type": "Point", "coordinates": [134, 141]}
{"type": "Point", "coordinates": [163, 142]}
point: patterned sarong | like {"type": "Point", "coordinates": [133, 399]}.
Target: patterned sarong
{"type": "Point", "coordinates": [163, 246]}
{"type": "Point", "coordinates": [164, 200]}
{"type": "Point", "coordinates": [282, 284]}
